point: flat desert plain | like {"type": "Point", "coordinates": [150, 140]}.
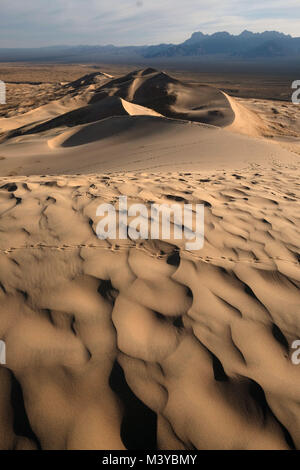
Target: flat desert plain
{"type": "Point", "coordinates": [143, 344]}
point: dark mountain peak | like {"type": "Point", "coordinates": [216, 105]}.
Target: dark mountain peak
{"type": "Point", "coordinates": [274, 35]}
{"type": "Point", "coordinates": [195, 38]}
{"type": "Point", "coordinates": [221, 34]}
{"type": "Point", "coordinates": [197, 35]}
{"type": "Point", "coordinates": [246, 34]}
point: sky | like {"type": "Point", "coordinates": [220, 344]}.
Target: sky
{"type": "Point", "coordinates": [34, 23]}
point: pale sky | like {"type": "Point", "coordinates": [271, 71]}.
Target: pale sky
{"type": "Point", "coordinates": [33, 23]}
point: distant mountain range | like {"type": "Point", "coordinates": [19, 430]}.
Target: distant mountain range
{"type": "Point", "coordinates": [222, 46]}
{"type": "Point", "coordinates": [246, 45]}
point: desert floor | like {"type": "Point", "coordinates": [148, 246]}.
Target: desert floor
{"type": "Point", "coordinates": [142, 344]}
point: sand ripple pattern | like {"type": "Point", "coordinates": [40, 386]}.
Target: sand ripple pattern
{"type": "Point", "coordinates": [145, 345]}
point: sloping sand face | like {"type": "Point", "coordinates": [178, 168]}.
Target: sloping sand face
{"type": "Point", "coordinates": [197, 343]}
{"type": "Point", "coordinates": [137, 143]}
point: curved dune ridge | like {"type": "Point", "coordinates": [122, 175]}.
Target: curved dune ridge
{"type": "Point", "coordinates": [144, 120]}
{"type": "Point", "coordinates": [246, 121]}
{"type": "Point", "coordinates": [114, 345]}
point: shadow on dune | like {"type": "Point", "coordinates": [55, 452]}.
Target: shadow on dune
{"type": "Point", "coordinates": [137, 127]}
{"type": "Point", "coordinates": [138, 430]}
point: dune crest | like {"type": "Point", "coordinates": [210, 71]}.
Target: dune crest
{"type": "Point", "coordinates": [246, 121]}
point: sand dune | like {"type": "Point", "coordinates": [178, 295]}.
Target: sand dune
{"type": "Point", "coordinates": [145, 120]}
{"type": "Point", "coordinates": [123, 344]}
{"type": "Point", "coordinates": [148, 88]}
{"type": "Point", "coordinates": [203, 338]}
{"type": "Point", "coordinates": [172, 98]}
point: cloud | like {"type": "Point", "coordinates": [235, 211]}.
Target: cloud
{"type": "Point", "coordinates": [125, 22]}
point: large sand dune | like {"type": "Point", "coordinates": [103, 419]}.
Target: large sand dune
{"type": "Point", "coordinates": [143, 120]}
{"type": "Point", "coordinates": [124, 344]}
{"type": "Point", "coordinates": [172, 98]}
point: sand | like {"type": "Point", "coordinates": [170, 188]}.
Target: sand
{"type": "Point", "coordinates": [124, 344]}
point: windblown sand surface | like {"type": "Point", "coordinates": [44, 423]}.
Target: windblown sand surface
{"type": "Point", "coordinates": [123, 344]}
